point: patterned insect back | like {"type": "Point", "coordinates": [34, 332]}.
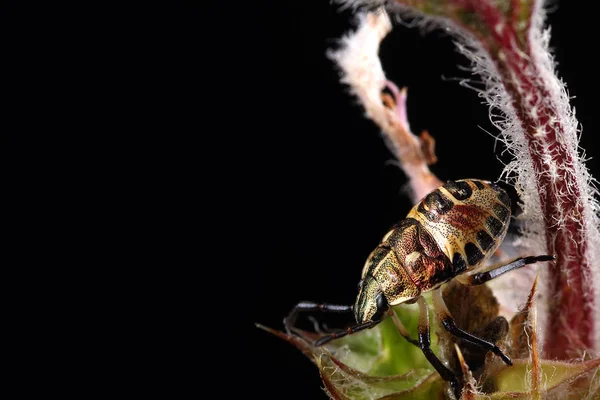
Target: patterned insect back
{"type": "Point", "coordinates": [452, 230]}
{"type": "Point", "coordinates": [384, 267]}
{"type": "Point", "coordinates": [467, 219]}
{"type": "Point", "coordinates": [420, 255]}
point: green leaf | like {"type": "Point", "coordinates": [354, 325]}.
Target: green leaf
{"type": "Point", "coordinates": [373, 363]}
{"type": "Point", "coordinates": [397, 355]}
{"type": "Point", "coordinates": [346, 381]}
{"type": "Point", "coordinates": [432, 388]}
{"type": "Point", "coordinates": [554, 374]}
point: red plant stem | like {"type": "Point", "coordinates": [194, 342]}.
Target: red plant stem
{"type": "Point", "coordinates": [570, 321]}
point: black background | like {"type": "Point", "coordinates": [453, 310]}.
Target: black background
{"type": "Point", "coordinates": [304, 184]}
{"type": "Point", "coordinates": [204, 170]}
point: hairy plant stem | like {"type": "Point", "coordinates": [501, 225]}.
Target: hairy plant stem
{"type": "Point", "coordinates": [506, 36]}
{"type": "Point", "coordinates": [570, 327]}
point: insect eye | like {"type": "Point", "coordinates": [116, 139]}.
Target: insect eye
{"type": "Point", "coordinates": [381, 302]}
{"type": "Point", "coordinates": [360, 284]}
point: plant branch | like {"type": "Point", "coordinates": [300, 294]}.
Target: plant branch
{"type": "Point", "coordinates": [361, 69]}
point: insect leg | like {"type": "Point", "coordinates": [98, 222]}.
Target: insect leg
{"type": "Point", "coordinates": [425, 343]}
{"type": "Point", "coordinates": [402, 329]}
{"type": "Point", "coordinates": [450, 325]}
{"type": "Point", "coordinates": [350, 330]}
{"type": "Point", "coordinates": [320, 327]}
{"type": "Point", "coordinates": [482, 277]}
{"type": "Point", "coordinates": [308, 306]}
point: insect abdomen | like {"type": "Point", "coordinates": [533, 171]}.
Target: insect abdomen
{"type": "Point", "coordinates": [419, 254]}
{"type": "Point", "coordinates": [467, 219]}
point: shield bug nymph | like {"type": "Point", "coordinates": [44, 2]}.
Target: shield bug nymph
{"type": "Point", "coordinates": [448, 235]}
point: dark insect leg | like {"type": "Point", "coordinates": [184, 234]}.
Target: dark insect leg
{"type": "Point", "coordinates": [450, 325]}
{"type": "Point", "coordinates": [348, 331]}
{"type": "Point", "coordinates": [425, 343]}
{"type": "Point", "coordinates": [482, 277]}
{"type": "Point", "coordinates": [307, 306]}
{"type": "Point", "coordinates": [320, 327]}
{"type": "Point", "coordinates": [402, 329]}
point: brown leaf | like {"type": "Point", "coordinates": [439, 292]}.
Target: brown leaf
{"type": "Point", "coordinates": [475, 310]}
{"type": "Point", "coordinates": [520, 328]}
{"type": "Point", "coordinates": [428, 147]}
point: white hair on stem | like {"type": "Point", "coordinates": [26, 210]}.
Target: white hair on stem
{"type": "Point", "coordinates": [539, 39]}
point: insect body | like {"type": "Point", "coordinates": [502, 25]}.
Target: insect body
{"type": "Point", "coordinates": [453, 230]}
{"type": "Point", "coordinates": [449, 234]}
